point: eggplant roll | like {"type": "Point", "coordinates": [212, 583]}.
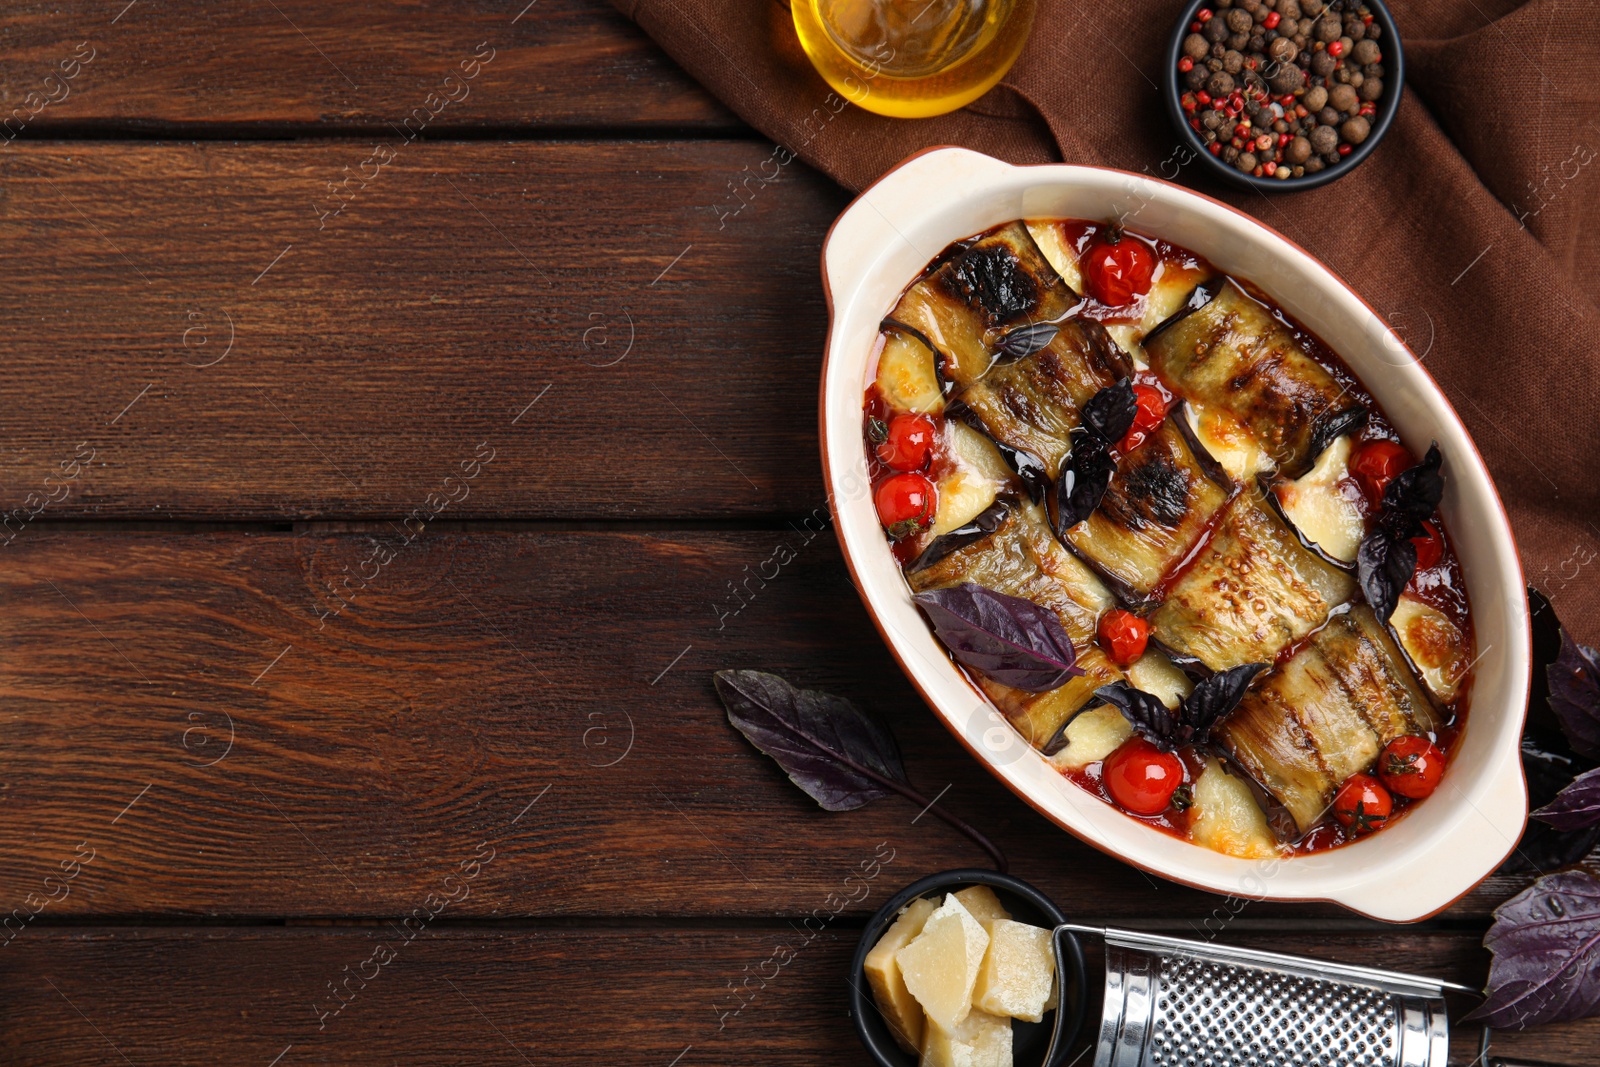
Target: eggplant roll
{"type": "Point", "coordinates": [1019, 556]}
{"type": "Point", "coordinates": [1032, 404]}
{"type": "Point", "coordinates": [1325, 714]}
{"type": "Point", "coordinates": [1232, 353]}
{"type": "Point", "coordinates": [906, 376]}
{"type": "Point", "coordinates": [1252, 591]}
{"type": "Point", "coordinates": [1161, 501]}
{"type": "Point", "coordinates": [976, 292]}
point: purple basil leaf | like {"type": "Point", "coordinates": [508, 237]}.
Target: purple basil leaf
{"type": "Point", "coordinates": [1384, 565]}
{"type": "Point", "coordinates": [1024, 341]}
{"type": "Point", "coordinates": [1575, 695]}
{"type": "Point", "coordinates": [1216, 696]}
{"type": "Point", "coordinates": [1546, 945]}
{"type": "Point", "coordinates": [1145, 712]}
{"type": "Point", "coordinates": [1575, 807]}
{"type": "Point", "coordinates": [1011, 640]}
{"type": "Point", "coordinates": [1413, 496]}
{"type": "Point", "coordinates": [1110, 412]}
{"type": "Point", "coordinates": [1085, 476]}
{"type": "Point", "coordinates": [1549, 766]}
{"type": "Point", "coordinates": [806, 731]}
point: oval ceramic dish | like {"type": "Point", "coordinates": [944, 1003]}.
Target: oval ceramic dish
{"type": "Point", "coordinates": [1416, 867]}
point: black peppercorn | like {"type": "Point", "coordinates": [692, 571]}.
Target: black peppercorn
{"type": "Point", "coordinates": [1316, 98]}
{"type": "Point", "coordinates": [1232, 61]}
{"type": "Point", "coordinates": [1374, 31]}
{"type": "Point", "coordinates": [1343, 98]}
{"type": "Point", "coordinates": [1216, 29]}
{"type": "Point", "coordinates": [1298, 151]}
{"type": "Point", "coordinates": [1364, 52]}
{"type": "Point", "coordinates": [1196, 46]}
{"type": "Point", "coordinates": [1196, 78]}
{"type": "Point", "coordinates": [1324, 139]}
{"type": "Point", "coordinates": [1220, 83]}
{"type": "Point", "coordinates": [1327, 29]}
{"type": "Point", "coordinates": [1322, 64]}
{"type": "Point", "coordinates": [1239, 21]}
{"type": "Point", "coordinates": [1371, 89]}
{"type": "Point", "coordinates": [1246, 162]}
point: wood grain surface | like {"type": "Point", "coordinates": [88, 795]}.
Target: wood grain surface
{"type": "Point", "coordinates": [672, 348]}
{"type": "Point", "coordinates": [382, 727]}
{"type": "Point", "coordinates": [617, 994]}
{"type": "Point", "coordinates": [259, 69]}
{"type": "Point", "coordinates": [402, 409]}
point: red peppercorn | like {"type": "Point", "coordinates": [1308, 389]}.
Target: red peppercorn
{"type": "Point", "coordinates": [1194, 123]}
{"type": "Point", "coordinates": [1204, 15]}
{"type": "Point", "coordinates": [1368, 108]}
{"type": "Point", "coordinates": [1216, 148]}
{"type": "Point", "coordinates": [1345, 150]}
{"type": "Point", "coordinates": [1284, 139]}
{"type": "Point", "coordinates": [1203, 96]}
{"type": "Point", "coordinates": [1272, 20]}
{"type": "Point", "coordinates": [1186, 64]}
{"type": "Point", "coordinates": [1188, 104]}
{"type": "Point", "coordinates": [1258, 172]}
{"type": "Point", "coordinates": [1366, 20]}
{"type": "Point", "coordinates": [1300, 111]}
{"type": "Point", "coordinates": [1270, 168]}
{"type": "Point", "coordinates": [1334, 49]}
{"type": "Point", "coordinates": [1251, 63]}
{"type": "Point", "coordinates": [1194, 27]}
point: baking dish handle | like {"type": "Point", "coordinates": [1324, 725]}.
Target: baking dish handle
{"type": "Point", "coordinates": [893, 207]}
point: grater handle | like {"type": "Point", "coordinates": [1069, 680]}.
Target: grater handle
{"type": "Point", "coordinates": [1061, 987]}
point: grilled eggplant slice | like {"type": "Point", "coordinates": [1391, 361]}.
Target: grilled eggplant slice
{"type": "Point", "coordinates": [907, 378]}
{"type": "Point", "coordinates": [1161, 501]}
{"type": "Point", "coordinates": [979, 290]}
{"type": "Point", "coordinates": [1325, 714]}
{"type": "Point", "coordinates": [1252, 591]}
{"type": "Point", "coordinates": [1232, 353]}
{"type": "Point", "coordinates": [1021, 557]}
{"type": "Point", "coordinates": [1032, 405]}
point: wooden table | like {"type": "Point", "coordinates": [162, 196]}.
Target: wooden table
{"type": "Point", "coordinates": [381, 505]}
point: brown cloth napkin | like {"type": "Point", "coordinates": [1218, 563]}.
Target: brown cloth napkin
{"type": "Point", "coordinates": [1473, 229]}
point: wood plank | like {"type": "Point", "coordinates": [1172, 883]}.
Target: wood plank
{"type": "Point", "coordinates": [549, 996]}
{"type": "Point", "coordinates": [188, 66]}
{"type": "Point", "coordinates": [673, 348]}
{"type": "Point", "coordinates": [549, 694]}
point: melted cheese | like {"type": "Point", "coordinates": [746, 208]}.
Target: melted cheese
{"type": "Point", "coordinates": [1323, 506]}
{"type": "Point", "coordinates": [1434, 644]}
{"type": "Point", "coordinates": [1229, 443]}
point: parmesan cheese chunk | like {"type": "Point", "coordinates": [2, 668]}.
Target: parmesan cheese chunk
{"type": "Point", "coordinates": [980, 901]}
{"type": "Point", "coordinates": [982, 1040]}
{"type": "Point", "coordinates": [941, 965]}
{"type": "Point", "coordinates": [900, 1009]}
{"type": "Point", "coordinates": [1015, 979]}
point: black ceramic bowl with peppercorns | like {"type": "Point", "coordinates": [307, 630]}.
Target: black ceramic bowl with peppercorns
{"type": "Point", "coordinates": [1283, 111]}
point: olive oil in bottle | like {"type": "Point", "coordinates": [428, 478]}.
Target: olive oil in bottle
{"type": "Point", "coordinates": [912, 58]}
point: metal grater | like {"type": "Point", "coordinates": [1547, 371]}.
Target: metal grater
{"type": "Point", "coordinates": [1176, 1003]}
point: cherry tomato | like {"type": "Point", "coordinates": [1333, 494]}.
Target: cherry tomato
{"type": "Point", "coordinates": [1124, 635]}
{"type": "Point", "coordinates": [1140, 777]}
{"type": "Point", "coordinates": [1376, 463]}
{"type": "Point", "coordinates": [1411, 766]}
{"type": "Point", "coordinates": [1117, 269]}
{"type": "Point", "coordinates": [905, 503]}
{"type": "Point", "coordinates": [1430, 547]}
{"type": "Point", "coordinates": [1150, 413]}
{"type": "Point", "coordinates": [1362, 804]}
{"type": "Point", "coordinates": [909, 444]}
